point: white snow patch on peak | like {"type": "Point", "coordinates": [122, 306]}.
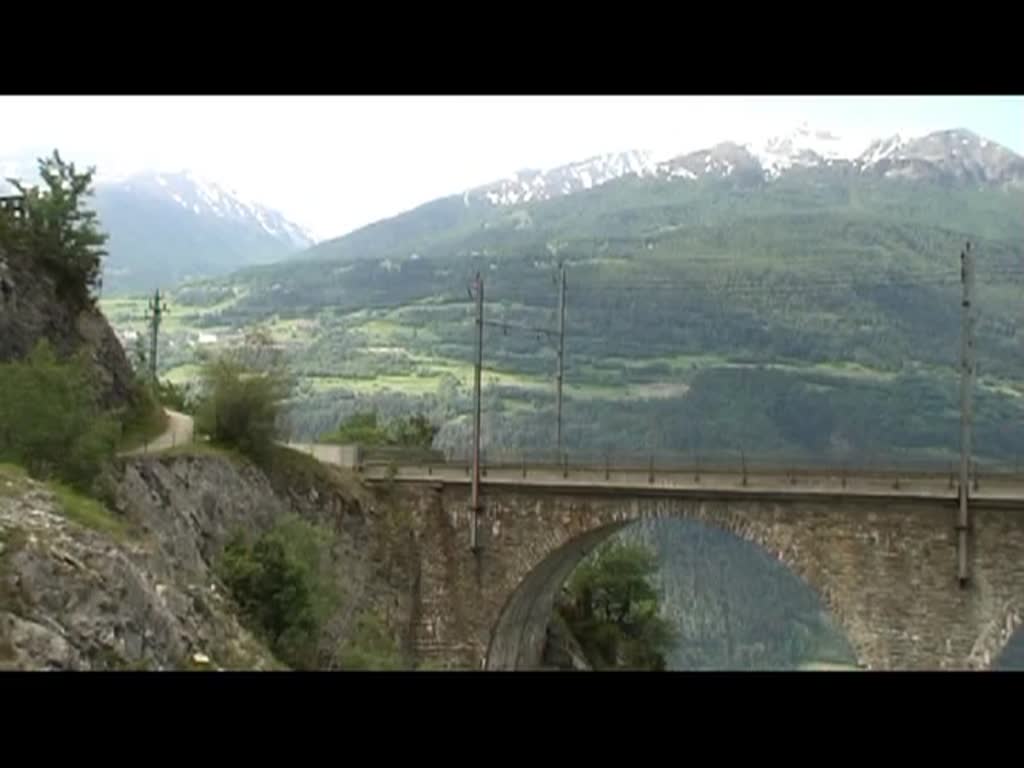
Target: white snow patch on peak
{"type": "Point", "coordinates": [881, 149]}
{"type": "Point", "coordinates": [205, 197]}
{"type": "Point", "coordinates": [803, 145]}
{"type": "Point", "coordinates": [594, 171]}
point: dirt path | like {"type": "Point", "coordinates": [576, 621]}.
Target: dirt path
{"type": "Point", "coordinates": [180, 429]}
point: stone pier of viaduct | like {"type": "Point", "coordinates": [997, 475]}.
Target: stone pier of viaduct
{"type": "Point", "coordinates": [884, 565]}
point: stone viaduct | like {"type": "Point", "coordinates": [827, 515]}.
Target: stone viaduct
{"type": "Point", "coordinates": [879, 549]}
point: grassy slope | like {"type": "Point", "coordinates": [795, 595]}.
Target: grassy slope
{"type": "Point", "coordinates": [75, 506]}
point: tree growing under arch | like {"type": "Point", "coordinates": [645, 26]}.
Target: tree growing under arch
{"type": "Point", "coordinates": [611, 606]}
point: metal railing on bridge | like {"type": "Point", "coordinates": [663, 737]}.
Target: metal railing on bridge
{"type": "Point", "coordinates": [733, 462]}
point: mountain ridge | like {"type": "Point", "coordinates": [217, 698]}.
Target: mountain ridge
{"type": "Point", "coordinates": [210, 197]}
{"type": "Point", "coordinates": [951, 154]}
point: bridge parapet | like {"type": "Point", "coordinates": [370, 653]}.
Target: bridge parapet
{"type": "Point", "coordinates": [1005, 488]}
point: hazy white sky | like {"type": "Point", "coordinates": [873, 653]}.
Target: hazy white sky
{"type": "Point", "coordinates": [336, 163]}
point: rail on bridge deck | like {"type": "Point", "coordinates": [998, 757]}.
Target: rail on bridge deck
{"type": "Point", "coordinates": [735, 474]}
{"type": "Point", "coordinates": [991, 482]}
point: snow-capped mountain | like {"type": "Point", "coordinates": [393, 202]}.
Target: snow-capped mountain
{"type": "Point", "coordinates": [531, 185]}
{"type": "Point", "coordinates": [164, 228]}
{"type": "Point", "coordinates": [168, 227]}
{"type": "Point", "coordinates": [207, 198]}
{"type": "Point", "coordinates": [955, 156]}
{"type": "Point", "coordinates": [721, 160]}
{"type": "Point", "coordinates": [804, 146]}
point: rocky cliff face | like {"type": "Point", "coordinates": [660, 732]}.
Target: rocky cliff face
{"type": "Point", "coordinates": [190, 505]}
{"type": "Point", "coordinates": [30, 311]}
{"type": "Point", "coordinates": [78, 599]}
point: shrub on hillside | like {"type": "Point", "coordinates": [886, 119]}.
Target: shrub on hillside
{"type": "Point", "coordinates": [364, 429]}
{"type": "Point", "coordinates": [143, 418]}
{"type": "Point", "coordinates": [243, 390]}
{"type": "Point", "coordinates": [281, 583]}
{"type": "Point", "coordinates": [174, 396]}
{"type": "Point", "coordinates": [50, 421]}
{"type": "Point", "coordinates": [371, 647]}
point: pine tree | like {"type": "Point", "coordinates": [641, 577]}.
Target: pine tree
{"type": "Point", "coordinates": [60, 231]}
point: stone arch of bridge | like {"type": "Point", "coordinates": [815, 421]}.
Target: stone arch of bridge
{"type": "Point", "coordinates": [518, 636]}
{"type": "Point", "coordinates": [1001, 644]}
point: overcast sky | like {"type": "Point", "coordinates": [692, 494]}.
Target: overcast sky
{"type": "Point", "coordinates": [336, 163]}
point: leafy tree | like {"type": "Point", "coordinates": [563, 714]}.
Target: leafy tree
{"type": "Point", "coordinates": [243, 390]}
{"type": "Point", "coordinates": [361, 428]}
{"type": "Point", "coordinates": [416, 431]}
{"type": "Point", "coordinates": [173, 396]}
{"type": "Point", "coordinates": [60, 231]}
{"type": "Point", "coordinates": [364, 429]}
{"type": "Point", "coordinates": [611, 607]}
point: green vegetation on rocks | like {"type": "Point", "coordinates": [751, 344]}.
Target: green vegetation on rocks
{"type": "Point", "coordinates": [50, 421]}
{"type": "Point", "coordinates": [611, 606]}
{"type": "Point", "coordinates": [371, 647]}
{"type": "Point", "coordinates": [89, 512]}
{"type": "Point", "coordinates": [279, 583]}
{"type": "Point", "coordinates": [59, 230]}
{"type": "Point", "coordinates": [285, 585]}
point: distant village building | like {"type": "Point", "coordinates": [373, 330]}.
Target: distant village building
{"type": "Point", "coordinates": [12, 202]}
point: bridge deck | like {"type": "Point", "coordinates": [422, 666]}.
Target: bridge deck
{"type": "Point", "coordinates": [993, 490]}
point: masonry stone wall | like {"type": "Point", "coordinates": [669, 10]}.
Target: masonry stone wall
{"type": "Point", "coordinates": [346, 456]}
{"type": "Point", "coordinates": [886, 571]}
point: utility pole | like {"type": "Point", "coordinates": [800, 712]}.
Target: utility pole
{"type": "Point", "coordinates": [156, 309]}
{"type": "Point", "coordinates": [478, 292]}
{"type": "Point", "coordinates": [967, 364]}
{"type": "Point", "coordinates": [561, 354]}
